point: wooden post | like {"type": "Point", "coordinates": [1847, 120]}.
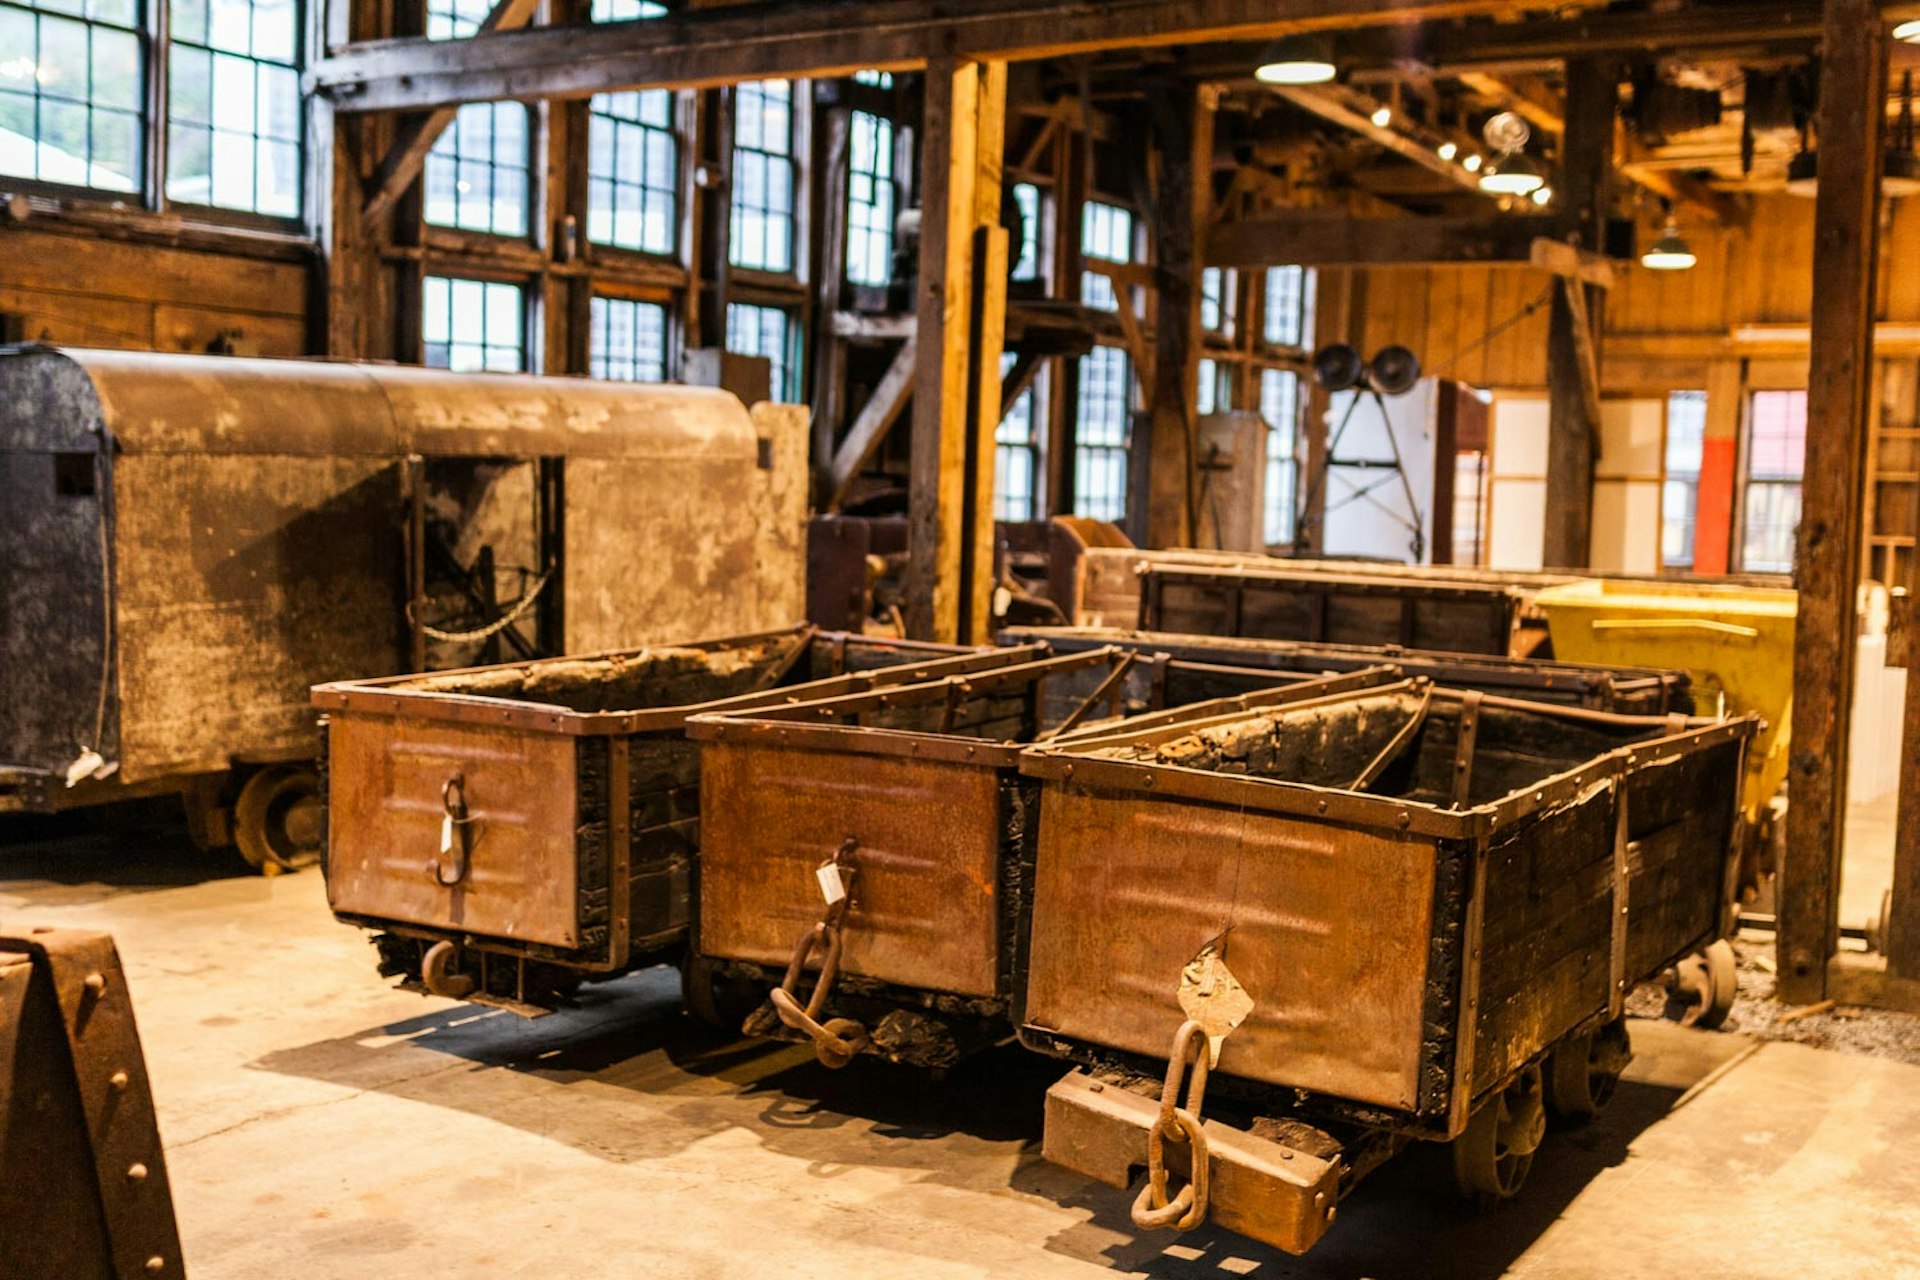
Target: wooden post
{"type": "Point", "coordinates": [1573, 429]}
{"type": "Point", "coordinates": [959, 331]}
{"type": "Point", "coordinates": [1853, 78]}
{"type": "Point", "coordinates": [1182, 119]}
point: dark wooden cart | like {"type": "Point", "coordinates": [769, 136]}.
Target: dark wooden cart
{"type": "Point", "coordinates": [892, 835]}
{"type": "Point", "coordinates": [1186, 665]}
{"type": "Point", "coordinates": [472, 817]}
{"type": "Point", "coordinates": [1436, 901]}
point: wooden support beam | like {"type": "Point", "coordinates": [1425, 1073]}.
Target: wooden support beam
{"type": "Point", "coordinates": [1573, 375]}
{"type": "Point", "coordinates": [414, 136]}
{"type": "Point", "coordinates": [1316, 238]}
{"type": "Point", "coordinates": [702, 48]}
{"type": "Point", "coordinates": [870, 426]}
{"type": "Point", "coordinates": [1565, 260]}
{"type": "Point", "coordinates": [962, 319]}
{"type": "Point", "coordinates": [1353, 110]}
{"type": "Point", "coordinates": [1833, 492]}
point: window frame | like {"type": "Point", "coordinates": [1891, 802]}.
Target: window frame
{"type": "Point", "coordinates": [1084, 449]}
{"type": "Point", "coordinates": [1668, 478]}
{"type": "Point", "coordinates": [799, 123]}
{"type": "Point", "coordinates": [1747, 481]}
{"type": "Point", "coordinates": [530, 326]}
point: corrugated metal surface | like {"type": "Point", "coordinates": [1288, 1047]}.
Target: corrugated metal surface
{"type": "Point", "coordinates": [925, 910]}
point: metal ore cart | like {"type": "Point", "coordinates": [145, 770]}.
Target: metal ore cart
{"type": "Point", "coordinates": [891, 834]}
{"type": "Point", "coordinates": [1374, 917]}
{"type": "Point", "coordinates": [473, 817]}
{"type": "Point", "coordinates": [1628, 690]}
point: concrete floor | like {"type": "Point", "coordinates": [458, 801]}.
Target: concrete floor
{"type": "Point", "coordinates": [319, 1124]}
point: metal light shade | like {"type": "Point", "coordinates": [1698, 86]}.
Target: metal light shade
{"type": "Point", "coordinates": [1338, 367]}
{"type": "Point", "coordinates": [1908, 31]}
{"type": "Point", "coordinates": [1394, 370]}
{"type": "Point", "coordinates": [1670, 252]}
{"type": "Point", "coordinates": [1511, 175]}
{"type": "Point", "coordinates": [1301, 59]}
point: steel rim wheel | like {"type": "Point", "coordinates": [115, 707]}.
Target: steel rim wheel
{"type": "Point", "coordinates": [1581, 1073]}
{"type": "Point", "coordinates": [1705, 986]}
{"type": "Point", "coordinates": [276, 820]}
{"type": "Point", "coordinates": [1492, 1155]}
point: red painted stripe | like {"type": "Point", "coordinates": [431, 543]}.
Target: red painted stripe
{"type": "Point", "coordinates": [1713, 523]}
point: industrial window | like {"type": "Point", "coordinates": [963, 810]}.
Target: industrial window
{"type": "Point", "coordinates": [1284, 322]}
{"type": "Point", "coordinates": [72, 84]}
{"type": "Point", "coordinates": [1679, 499]}
{"type": "Point", "coordinates": [477, 170]}
{"type": "Point", "coordinates": [878, 79]}
{"type": "Point", "coordinates": [627, 340]}
{"type": "Point", "coordinates": [769, 332]}
{"type": "Point", "coordinates": [633, 171]}
{"type": "Point", "coordinates": [1016, 461]}
{"type": "Point", "coordinates": [626, 10]}
{"type": "Point", "coordinates": [1106, 232]}
{"type": "Point", "coordinates": [1100, 435]}
{"type": "Point", "coordinates": [870, 200]}
{"type": "Point", "coordinates": [1216, 300]}
{"type": "Point", "coordinates": [233, 101]}
{"type": "Point", "coordinates": [471, 325]}
{"type": "Point", "coordinates": [761, 228]}
{"type": "Point", "coordinates": [1212, 392]}
{"type": "Point", "coordinates": [1280, 409]}
{"type": "Point", "coordinates": [1470, 477]}
{"type": "Point", "coordinates": [1776, 454]}
{"type": "Point", "coordinates": [1026, 263]}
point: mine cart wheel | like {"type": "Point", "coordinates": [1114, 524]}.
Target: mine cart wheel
{"type": "Point", "coordinates": [1492, 1156]}
{"type": "Point", "coordinates": [714, 998]}
{"type": "Point", "coordinates": [1581, 1073]}
{"type": "Point", "coordinates": [276, 820]}
{"type": "Point", "coordinates": [1704, 987]}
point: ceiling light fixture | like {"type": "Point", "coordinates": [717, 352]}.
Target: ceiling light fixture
{"type": "Point", "coordinates": [1301, 59]}
{"type": "Point", "coordinates": [1473, 163]}
{"type": "Point", "coordinates": [1512, 175]}
{"type": "Point", "coordinates": [1381, 117]}
{"type": "Point", "coordinates": [1908, 31]}
{"type": "Point", "coordinates": [1447, 151]}
{"type": "Point", "coordinates": [1670, 252]}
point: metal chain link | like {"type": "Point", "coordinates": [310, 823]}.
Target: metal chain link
{"type": "Point", "coordinates": [495, 627]}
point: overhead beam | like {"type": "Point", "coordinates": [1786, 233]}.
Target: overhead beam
{"type": "Point", "coordinates": [1846, 223]}
{"type": "Point", "coordinates": [1315, 239]}
{"type": "Point", "coordinates": [414, 137]}
{"type": "Point", "coordinates": [704, 48]}
{"type": "Point", "coordinates": [1353, 110]}
{"type": "Point", "coordinates": [870, 426]}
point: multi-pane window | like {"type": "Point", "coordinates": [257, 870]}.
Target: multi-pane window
{"type": "Point", "coordinates": [769, 332]}
{"type": "Point", "coordinates": [476, 175]}
{"type": "Point", "coordinates": [1016, 454]}
{"type": "Point", "coordinates": [1216, 300]}
{"type": "Point", "coordinates": [1284, 322]}
{"type": "Point", "coordinates": [878, 79]}
{"type": "Point", "coordinates": [761, 227]}
{"type": "Point", "coordinates": [1280, 409]}
{"type": "Point", "coordinates": [233, 103]}
{"type": "Point", "coordinates": [1680, 495]}
{"type": "Point", "coordinates": [627, 340]}
{"type": "Point", "coordinates": [1106, 232]}
{"type": "Point", "coordinates": [633, 171]}
{"type": "Point", "coordinates": [870, 200]}
{"type": "Point", "coordinates": [1211, 390]}
{"type": "Point", "coordinates": [1776, 456]}
{"type": "Point", "coordinates": [626, 10]}
{"type": "Point", "coordinates": [1026, 262]}
{"type": "Point", "coordinates": [470, 325]}
{"type": "Point", "coordinates": [72, 85]}
{"type": "Point", "coordinates": [1100, 432]}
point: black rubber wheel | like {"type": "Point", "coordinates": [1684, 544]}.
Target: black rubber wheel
{"type": "Point", "coordinates": [276, 820]}
{"type": "Point", "coordinates": [1581, 1073]}
{"type": "Point", "coordinates": [1492, 1155]}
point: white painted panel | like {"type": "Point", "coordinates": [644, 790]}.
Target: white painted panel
{"type": "Point", "coordinates": [1517, 533]}
{"type": "Point", "coordinates": [1519, 427]}
{"type": "Point", "coordinates": [1626, 526]}
{"type": "Point", "coordinates": [1632, 437]}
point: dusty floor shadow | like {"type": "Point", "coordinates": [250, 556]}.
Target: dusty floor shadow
{"type": "Point", "coordinates": [131, 846]}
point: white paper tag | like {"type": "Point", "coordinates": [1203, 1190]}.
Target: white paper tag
{"type": "Point", "coordinates": [832, 887]}
{"type": "Point", "coordinates": [1211, 996]}
{"type": "Point", "coordinates": [446, 834]}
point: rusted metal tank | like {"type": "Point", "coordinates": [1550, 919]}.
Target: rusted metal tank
{"type": "Point", "coordinates": [84, 1195]}
{"type": "Point", "coordinates": [886, 839]}
{"type": "Point", "coordinates": [194, 541]}
{"type": "Point", "coordinates": [1628, 690]}
{"type": "Point", "coordinates": [513, 830]}
{"type": "Point", "coordinates": [1401, 913]}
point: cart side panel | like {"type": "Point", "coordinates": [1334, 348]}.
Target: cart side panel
{"type": "Point", "coordinates": [664, 832]}
{"type": "Point", "coordinates": [1546, 940]}
{"type": "Point", "coordinates": [1129, 887]}
{"type": "Point", "coordinates": [385, 817]}
{"type": "Point", "coordinates": [1680, 826]}
{"type": "Point", "coordinates": [926, 898]}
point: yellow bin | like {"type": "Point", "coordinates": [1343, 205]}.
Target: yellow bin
{"type": "Point", "coordinates": [1735, 642]}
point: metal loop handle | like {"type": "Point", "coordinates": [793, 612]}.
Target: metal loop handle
{"type": "Point", "coordinates": [1188, 1208]}
{"type": "Point", "coordinates": [839, 1040]}
{"type": "Point", "coordinates": [453, 799]}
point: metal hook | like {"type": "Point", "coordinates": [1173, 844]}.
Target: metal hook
{"type": "Point", "coordinates": [454, 829]}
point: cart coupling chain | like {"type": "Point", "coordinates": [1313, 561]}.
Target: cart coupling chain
{"type": "Point", "coordinates": [1187, 1208]}
{"type": "Point", "coordinates": [839, 1040]}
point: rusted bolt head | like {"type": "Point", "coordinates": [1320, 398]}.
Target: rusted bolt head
{"type": "Point", "coordinates": [1096, 1087]}
{"type": "Point", "coordinates": [1067, 772]}
{"type": "Point", "coordinates": [1406, 819]}
{"type": "Point", "coordinates": [94, 983]}
{"type": "Point", "coordinates": [1286, 1153]}
{"type": "Point", "coordinates": [118, 1081]}
{"type": "Point", "coordinates": [1321, 807]}
{"type": "Point", "coordinates": [1148, 780]}
{"type": "Point", "coordinates": [136, 1172]}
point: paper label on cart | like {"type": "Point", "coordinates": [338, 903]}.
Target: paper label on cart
{"type": "Point", "coordinates": [446, 834]}
{"type": "Point", "coordinates": [832, 887]}
{"type": "Point", "coordinates": [1211, 996]}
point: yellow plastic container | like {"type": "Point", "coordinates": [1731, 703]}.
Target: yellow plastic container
{"type": "Point", "coordinates": [1735, 642]}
